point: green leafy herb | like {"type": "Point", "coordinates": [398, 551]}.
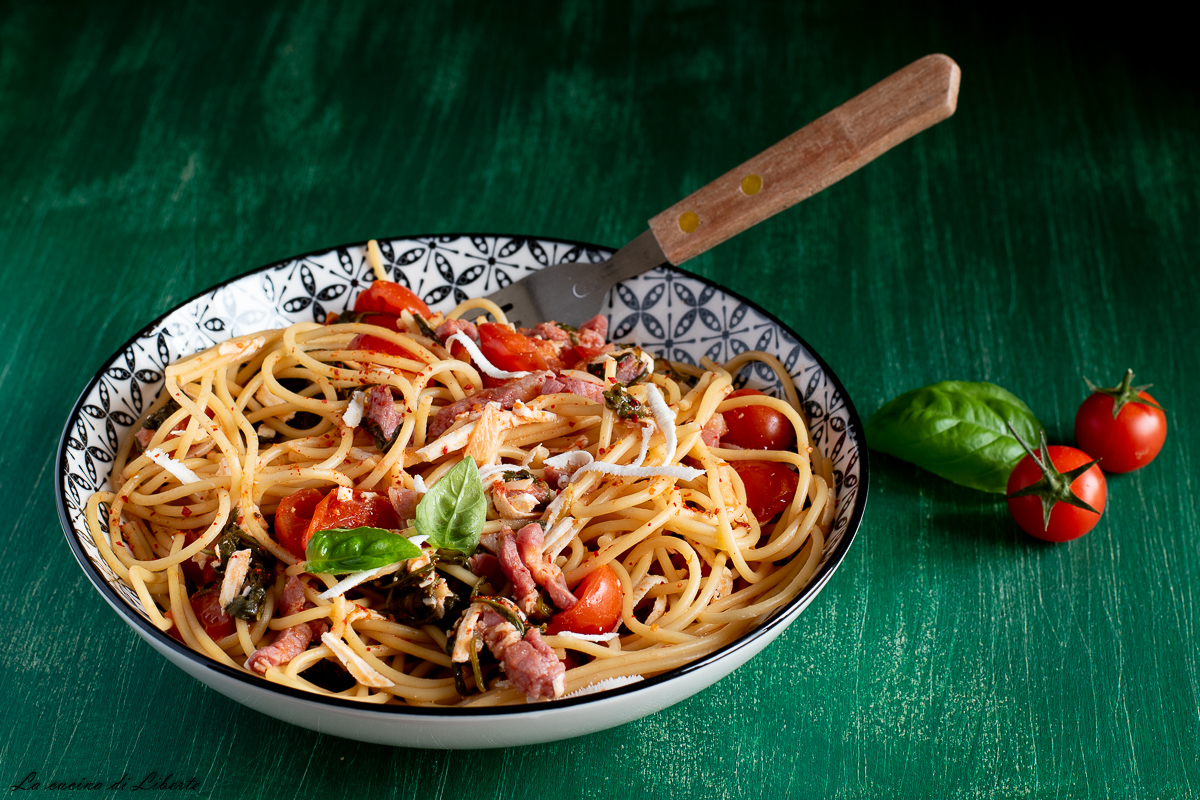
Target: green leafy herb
{"type": "Point", "coordinates": [247, 605]}
{"type": "Point", "coordinates": [348, 317]}
{"type": "Point", "coordinates": [957, 430]}
{"type": "Point", "coordinates": [155, 420]}
{"type": "Point", "coordinates": [412, 597]}
{"type": "Point", "coordinates": [424, 327]}
{"type": "Point", "coordinates": [622, 402]}
{"type": "Point", "coordinates": [342, 550]}
{"type": "Point", "coordinates": [453, 511]}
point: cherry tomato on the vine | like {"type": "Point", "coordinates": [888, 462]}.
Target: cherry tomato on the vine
{"type": "Point", "coordinates": [770, 486]}
{"type": "Point", "coordinates": [1123, 427]}
{"type": "Point", "coordinates": [1057, 495]}
{"type": "Point", "coordinates": [599, 608]}
{"type": "Point", "coordinates": [757, 427]}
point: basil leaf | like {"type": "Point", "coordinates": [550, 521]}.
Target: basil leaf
{"type": "Point", "coordinates": [956, 430]}
{"type": "Point", "coordinates": [453, 511]}
{"type": "Point", "coordinates": [342, 550]}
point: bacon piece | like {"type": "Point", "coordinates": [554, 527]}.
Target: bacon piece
{"type": "Point", "coordinates": [547, 330]}
{"type": "Point", "coordinates": [382, 411]}
{"type": "Point", "coordinates": [545, 572]}
{"type": "Point", "coordinates": [143, 436]}
{"type": "Point", "coordinates": [523, 389]}
{"type": "Point", "coordinates": [453, 326]}
{"type": "Point", "coordinates": [488, 566]}
{"type": "Point", "coordinates": [594, 332]}
{"type": "Point", "coordinates": [292, 641]}
{"type": "Point", "coordinates": [529, 663]}
{"type": "Point", "coordinates": [404, 501]}
{"type": "Point", "coordinates": [561, 384]}
{"type": "Point", "coordinates": [712, 432]}
{"type": "Point", "coordinates": [524, 587]}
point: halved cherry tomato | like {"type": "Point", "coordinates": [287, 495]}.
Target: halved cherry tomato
{"type": "Point", "coordinates": [362, 509]}
{"type": "Point", "coordinates": [365, 341]}
{"type": "Point", "coordinates": [573, 356]}
{"type": "Point", "coordinates": [599, 608]}
{"type": "Point", "coordinates": [390, 298]}
{"type": "Point", "coordinates": [757, 427]}
{"type": "Point", "coordinates": [770, 486]}
{"type": "Point", "coordinates": [217, 624]}
{"type": "Point", "coordinates": [198, 575]}
{"type": "Point", "coordinates": [292, 518]}
{"type": "Point", "coordinates": [509, 350]}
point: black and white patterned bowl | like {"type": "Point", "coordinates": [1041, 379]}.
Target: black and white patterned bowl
{"type": "Point", "coordinates": [668, 311]}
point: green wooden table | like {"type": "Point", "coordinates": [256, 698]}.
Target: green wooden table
{"type": "Point", "coordinates": [1046, 232]}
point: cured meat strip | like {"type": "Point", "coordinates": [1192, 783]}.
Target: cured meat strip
{"type": "Point", "coordinates": [546, 573]}
{"type": "Point", "coordinates": [453, 326]}
{"type": "Point", "coordinates": [523, 389]}
{"type": "Point", "coordinates": [382, 411]}
{"type": "Point", "coordinates": [404, 501]}
{"type": "Point", "coordinates": [292, 641]}
{"type": "Point", "coordinates": [560, 384]}
{"type": "Point", "coordinates": [524, 587]}
{"type": "Point", "coordinates": [712, 432]}
{"type": "Point", "coordinates": [528, 662]}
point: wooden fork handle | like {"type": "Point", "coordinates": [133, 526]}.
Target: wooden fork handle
{"type": "Point", "coordinates": [823, 152]}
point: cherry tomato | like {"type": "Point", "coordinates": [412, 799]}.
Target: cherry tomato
{"type": "Point", "coordinates": [757, 427]}
{"type": "Point", "coordinates": [509, 350]}
{"type": "Point", "coordinates": [572, 357]}
{"type": "Point", "coordinates": [207, 606]}
{"type": "Point", "coordinates": [1132, 438]}
{"type": "Point", "coordinates": [1067, 521]}
{"type": "Point", "coordinates": [292, 518]}
{"type": "Point", "coordinates": [365, 341]}
{"type": "Point", "coordinates": [770, 486]}
{"type": "Point", "coordinates": [390, 298]}
{"type": "Point", "coordinates": [362, 509]}
{"type": "Point", "coordinates": [599, 608]}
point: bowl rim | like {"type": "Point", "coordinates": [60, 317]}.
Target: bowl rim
{"type": "Point", "coordinates": [782, 617]}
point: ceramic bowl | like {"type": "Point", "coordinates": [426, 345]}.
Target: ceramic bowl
{"type": "Point", "coordinates": [668, 311]}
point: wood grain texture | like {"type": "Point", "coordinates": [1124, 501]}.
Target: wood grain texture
{"type": "Point", "coordinates": [1047, 231]}
{"type": "Point", "coordinates": [813, 158]}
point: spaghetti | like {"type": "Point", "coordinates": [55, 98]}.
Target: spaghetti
{"type": "Point", "coordinates": [617, 534]}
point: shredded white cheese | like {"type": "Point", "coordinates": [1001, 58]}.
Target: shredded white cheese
{"type": "Point", "coordinates": [480, 360]}
{"type": "Point", "coordinates": [181, 473]}
{"type": "Point", "coordinates": [345, 494]}
{"type": "Point", "coordinates": [665, 420]}
{"type": "Point", "coordinates": [354, 411]}
{"type": "Point", "coordinates": [350, 581]}
{"type": "Point", "coordinates": [419, 484]}
{"type": "Point", "coordinates": [589, 637]}
{"type": "Point", "coordinates": [235, 575]}
{"type": "Point", "coordinates": [528, 415]}
{"type": "Point", "coordinates": [242, 348]}
{"type": "Point", "coordinates": [603, 686]}
{"type": "Point", "coordinates": [363, 672]}
{"type": "Point", "coordinates": [266, 432]}
{"type": "Point", "coordinates": [447, 443]}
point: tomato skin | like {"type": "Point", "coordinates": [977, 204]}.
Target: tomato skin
{"type": "Point", "coordinates": [770, 486]}
{"type": "Point", "coordinates": [363, 509]}
{"type": "Point", "coordinates": [292, 519]}
{"type": "Point", "coordinates": [1066, 522]}
{"type": "Point", "coordinates": [365, 341]}
{"type": "Point", "coordinates": [207, 606]}
{"type": "Point", "coordinates": [509, 350]}
{"type": "Point", "coordinates": [599, 608]}
{"type": "Point", "coordinates": [757, 427]}
{"type": "Point", "coordinates": [390, 298]}
{"type": "Point", "coordinates": [1129, 442]}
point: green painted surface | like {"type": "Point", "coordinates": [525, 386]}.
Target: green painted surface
{"type": "Point", "coordinates": [1047, 231]}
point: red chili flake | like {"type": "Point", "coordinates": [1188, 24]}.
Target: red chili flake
{"type": "Point", "coordinates": [124, 498]}
{"type": "Point", "coordinates": [186, 512]}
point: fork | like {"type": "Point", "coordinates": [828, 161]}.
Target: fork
{"type": "Point", "coordinates": [819, 154]}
